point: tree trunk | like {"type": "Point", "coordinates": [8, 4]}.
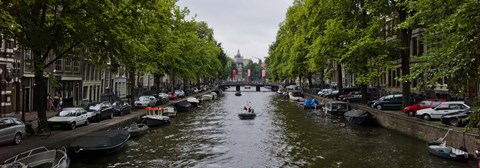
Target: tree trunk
{"type": "Point", "coordinates": [364, 92]}
{"type": "Point", "coordinates": [339, 77]}
{"type": "Point", "coordinates": [157, 81]}
{"type": "Point", "coordinates": [40, 95]}
{"type": "Point", "coordinates": [405, 37]}
{"type": "Point", "coordinates": [310, 82]}
{"type": "Point", "coordinates": [131, 87]}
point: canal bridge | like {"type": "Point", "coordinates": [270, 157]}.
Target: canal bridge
{"type": "Point", "coordinates": [256, 84]}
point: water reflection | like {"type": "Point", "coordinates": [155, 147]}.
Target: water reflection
{"type": "Point", "coordinates": [282, 135]}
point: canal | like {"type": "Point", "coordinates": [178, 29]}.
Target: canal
{"type": "Point", "coordinates": [282, 135]}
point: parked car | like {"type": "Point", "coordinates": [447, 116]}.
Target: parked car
{"type": "Point", "coordinates": [121, 108]}
{"type": "Point", "coordinates": [344, 91]}
{"type": "Point", "coordinates": [442, 109]}
{"type": "Point", "coordinates": [458, 119]}
{"type": "Point", "coordinates": [391, 102]}
{"type": "Point", "coordinates": [145, 101]}
{"type": "Point", "coordinates": [99, 111]}
{"type": "Point", "coordinates": [324, 92]}
{"type": "Point", "coordinates": [12, 130]}
{"type": "Point", "coordinates": [69, 118]}
{"type": "Point", "coordinates": [180, 93]}
{"type": "Point", "coordinates": [428, 103]}
{"type": "Point", "coordinates": [357, 97]}
{"type": "Point", "coordinates": [172, 96]}
{"type": "Point", "coordinates": [163, 98]}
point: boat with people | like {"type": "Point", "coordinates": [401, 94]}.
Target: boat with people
{"type": "Point", "coordinates": [183, 106]}
{"type": "Point", "coordinates": [194, 101]}
{"type": "Point", "coordinates": [441, 149]}
{"type": "Point", "coordinates": [154, 117]}
{"type": "Point", "coordinates": [359, 117]}
{"type": "Point", "coordinates": [38, 158]}
{"type": "Point", "coordinates": [169, 111]}
{"type": "Point", "coordinates": [137, 130]}
{"type": "Point", "coordinates": [100, 143]}
{"type": "Point", "coordinates": [238, 93]}
{"type": "Point", "coordinates": [247, 113]}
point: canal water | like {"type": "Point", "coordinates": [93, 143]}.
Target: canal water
{"type": "Point", "coordinates": [282, 135]}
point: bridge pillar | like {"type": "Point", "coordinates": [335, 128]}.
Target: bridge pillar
{"type": "Point", "coordinates": [257, 88]}
{"type": "Point", "coordinates": [237, 88]}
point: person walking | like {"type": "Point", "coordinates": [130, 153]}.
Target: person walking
{"type": "Point", "coordinates": [56, 101]}
{"type": "Point", "coordinates": [49, 102]}
{"type": "Point", "coordinates": [60, 103]}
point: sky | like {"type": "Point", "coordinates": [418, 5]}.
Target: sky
{"type": "Point", "coordinates": [246, 25]}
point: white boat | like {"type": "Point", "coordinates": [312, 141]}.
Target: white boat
{"type": "Point", "coordinates": [154, 117]}
{"type": "Point", "coordinates": [207, 97]}
{"type": "Point", "coordinates": [194, 101]}
{"type": "Point", "coordinates": [136, 130]}
{"type": "Point", "coordinates": [39, 157]}
{"type": "Point", "coordinates": [170, 111]}
{"type": "Point", "coordinates": [296, 96]}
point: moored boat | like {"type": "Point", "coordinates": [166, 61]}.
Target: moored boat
{"type": "Point", "coordinates": [40, 157]}
{"type": "Point", "coordinates": [335, 107]}
{"type": "Point", "coordinates": [154, 117]}
{"type": "Point", "coordinates": [100, 143]}
{"type": "Point", "coordinates": [136, 130]}
{"type": "Point", "coordinates": [169, 111]}
{"type": "Point", "coordinates": [442, 150]}
{"type": "Point", "coordinates": [183, 106]}
{"type": "Point", "coordinates": [359, 117]}
{"type": "Point", "coordinates": [194, 101]}
{"type": "Point", "coordinates": [311, 104]}
{"type": "Point", "coordinates": [238, 93]}
{"type": "Point", "coordinates": [207, 97]}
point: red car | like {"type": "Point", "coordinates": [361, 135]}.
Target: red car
{"type": "Point", "coordinates": [427, 103]}
{"type": "Point", "coordinates": [172, 96]}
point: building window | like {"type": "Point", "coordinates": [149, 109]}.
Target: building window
{"type": "Point", "coordinates": [76, 66]}
{"type": "Point", "coordinates": [420, 47]}
{"type": "Point", "coordinates": [68, 65]}
{"type": "Point", "coordinates": [414, 47]}
{"type": "Point", "coordinates": [58, 65]}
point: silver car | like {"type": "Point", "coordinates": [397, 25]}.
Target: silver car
{"type": "Point", "coordinates": [11, 130]}
{"type": "Point", "coordinates": [145, 101]}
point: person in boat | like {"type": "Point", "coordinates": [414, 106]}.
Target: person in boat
{"type": "Point", "coordinates": [249, 109]}
{"type": "Point", "coordinates": [244, 108]}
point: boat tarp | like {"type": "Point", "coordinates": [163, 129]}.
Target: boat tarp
{"type": "Point", "coordinates": [183, 104]}
{"type": "Point", "coordinates": [310, 102]}
{"type": "Point", "coordinates": [356, 113]}
{"type": "Point", "coordinates": [101, 139]}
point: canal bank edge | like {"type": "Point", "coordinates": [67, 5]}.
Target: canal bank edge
{"type": "Point", "coordinates": [421, 129]}
{"type": "Point", "coordinates": [64, 138]}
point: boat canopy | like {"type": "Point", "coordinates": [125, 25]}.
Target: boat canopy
{"type": "Point", "coordinates": [101, 139]}
{"type": "Point", "coordinates": [153, 108]}
{"type": "Point", "coordinates": [310, 102]}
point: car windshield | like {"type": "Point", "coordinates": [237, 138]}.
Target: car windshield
{"type": "Point", "coordinates": [95, 107]}
{"type": "Point", "coordinates": [66, 113]}
{"type": "Point", "coordinates": [143, 98]}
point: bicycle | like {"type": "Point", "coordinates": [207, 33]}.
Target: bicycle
{"type": "Point", "coordinates": [44, 133]}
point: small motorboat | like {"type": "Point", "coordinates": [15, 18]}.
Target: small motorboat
{"type": "Point", "coordinates": [137, 130]}
{"type": "Point", "coordinates": [154, 117]}
{"type": "Point", "coordinates": [194, 101]}
{"type": "Point", "coordinates": [92, 145]}
{"type": "Point", "coordinates": [311, 104]}
{"type": "Point", "coordinates": [238, 93]}
{"type": "Point", "coordinates": [359, 117]}
{"type": "Point", "coordinates": [183, 106]}
{"type": "Point", "coordinates": [335, 107]}
{"type": "Point", "coordinates": [207, 97]}
{"type": "Point", "coordinates": [169, 111]}
{"type": "Point", "coordinates": [39, 157]}
{"type": "Point", "coordinates": [247, 113]}
{"type": "Point", "coordinates": [441, 149]}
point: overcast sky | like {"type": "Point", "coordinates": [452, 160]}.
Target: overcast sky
{"type": "Point", "coordinates": [246, 25]}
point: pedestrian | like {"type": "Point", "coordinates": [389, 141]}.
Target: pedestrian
{"type": "Point", "coordinates": [49, 102]}
{"type": "Point", "coordinates": [56, 100]}
{"type": "Point", "coordinates": [60, 104]}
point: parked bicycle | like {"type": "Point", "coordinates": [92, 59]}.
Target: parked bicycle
{"type": "Point", "coordinates": [44, 133]}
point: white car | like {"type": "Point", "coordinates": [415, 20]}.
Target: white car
{"type": "Point", "coordinates": [146, 101]}
{"type": "Point", "coordinates": [442, 109]}
{"type": "Point", "coordinates": [324, 92]}
{"type": "Point", "coordinates": [180, 93]}
{"type": "Point", "coordinates": [69, 118]}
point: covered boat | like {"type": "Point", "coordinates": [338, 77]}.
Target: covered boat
{"type": "Point", "coordinates": [194, 101]}
{"type": "Point", "coordinates": [359, 117]}
{"type": "Point", "coordinates": [40, 157]}
{"type": "Point", "coordinates": [238, 93]}
{"type": "Point", "coordinates": [183, 106]}
{"type": "Point", "coordinates": [441, 149]}
{"type": "Point", "coordinates": [137, 130]}
{"type": "Point", "coordinates": [169, 111]}
{"type": "Point", "coordinates": [100, 143]}
{"type": "Point", "coordinates": [311, 104]}
{"type": "Point", "coordinates": [154, 117]}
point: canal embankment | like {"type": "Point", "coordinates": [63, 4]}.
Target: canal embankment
{"type": "Point", "coordinates": [421, 129]}
{"type": "Point", "coordinates": [61, 138]}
